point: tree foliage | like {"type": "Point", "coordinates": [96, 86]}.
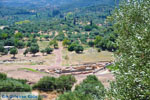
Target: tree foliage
{"type": "Point", "coordinates": [13, 85]}
{"type": "Point", "coordinates": [90, 89]}
{"type": "Point", "coordinates": [61, 84]}
{"type": "Point", "coordinates": [133, 75]}
{"type": "Point", "coordinates": [34, 48]}
{"type": "Point", "coordinates": [14, 51]}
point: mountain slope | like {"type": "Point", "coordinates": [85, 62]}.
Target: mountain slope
{"type": "Point", "coordinates": [59, 3]}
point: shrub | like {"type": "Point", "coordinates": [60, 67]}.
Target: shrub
{"type": "Point", "coordinates": [61, 84]}
{"type": "Point", "coordinates": [48, 50]}
{"type": "Point", "coordinates": [43, 51]}
{"type": "Point", "coordinates": [88, 28]}
{"type": "Point", "coordinates": [25, 52]}
{"type": "Point", "coordinates": [19, 44]}
{"type": "Point", "coordinates": [65, 82]}
{"type": "Point", "coordinates": [91, 43]}
{"type": "Point", "coordinates": [72, 47]}
{"type": "Point", "coordinates": [79, 49]}
{"type": "Point", "coordinates": [3, 76]}
{"type": "Point", "coordinates": [46, 84]}
{"type": "Point", "coordinates": [23, 81]}
{"type": "Point", "coordinates": [5, 52]}
{"type": "Point", "coordinates": [99, 50]}
{"type": "Point", "coordinates": [90, 89]}
{"type": "Point", "coordinates": [74, 96]}
{"type": "Point", "coordinates": [10, 85]}
{"type": "Point", "coordinates": [92, 86]}
{"type": "Point", "coordinates": [2, 48]}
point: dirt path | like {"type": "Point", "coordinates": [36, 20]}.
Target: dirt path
{"type": "Point", "coordinates": [58, 57]}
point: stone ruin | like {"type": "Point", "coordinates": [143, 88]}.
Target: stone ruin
{"type": "Point", "coordinates": [86, 68]}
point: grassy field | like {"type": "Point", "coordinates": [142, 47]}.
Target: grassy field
{"type": "Point", "coordinates": [89, 55]}
{"type": "Point", "coordinates": [43, 44]}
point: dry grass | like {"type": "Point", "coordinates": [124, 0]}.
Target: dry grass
{"type": "Point", "coordinates": [29, 59]}
{"type": "Point", "coordinates": [89, 55]}
{"type": "Point", "coordinates": [43, 44]}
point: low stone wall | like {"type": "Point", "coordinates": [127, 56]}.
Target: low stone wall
{"type": "Point", "coordinates": [79, 69]}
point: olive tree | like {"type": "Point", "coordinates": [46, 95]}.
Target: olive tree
{"type": "Point", "coordinates": [132, 23]}
{"type": "Point", "coordinates": [14, 51]}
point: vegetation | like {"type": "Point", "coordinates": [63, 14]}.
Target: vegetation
{"type": "Point", "coordinates": [34, 48]}
{"type": "Point", "coordinates": [13, 85]}
{"type": "Point", "coordinates": [79, 49]}
{"type": "Point", "coordinates": [90, 89]}
{"type": "Point", "coordinates": [48, 50]}
{"type": "Point", "coordinates": [25, 52]}
{"type": "Point", "coordinates": [61, 84]}
{"type": "Point", "coordinates": [132, 23]}
{"type": "Point", "coordinates": [14, 51]}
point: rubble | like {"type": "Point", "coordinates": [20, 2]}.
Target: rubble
{"type": "Point", "coordinates": [86, 68]}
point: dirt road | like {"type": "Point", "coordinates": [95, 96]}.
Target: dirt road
{"type": "Point", "coordinates": [58, 57]}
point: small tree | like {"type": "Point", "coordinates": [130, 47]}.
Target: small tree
{"type": "Point", "coordinates": [43, 51]}
{"type": "Point", "coordinates": [48, 50]}
{"type": "Point", "coordinates": [91, 43]}
{"type": "Point", "coordinates": [1, 48]}
{"type": "Point", "coordinates": [5, 52]}
{"type": "Point", "coordinates": [54, 43]}
{"type": "Point", "coordinates": [66, 42]}
{"type": "Point", "coordinates": [34, 49]}
{"type": "Point", "coordinates": [14, 51]}
{"type": "Point", "coordinates": [25, 52]}
{"type": "Point", "coordinates": [79, 49]}
{"type": "Point", "coordinates": [72, 47]}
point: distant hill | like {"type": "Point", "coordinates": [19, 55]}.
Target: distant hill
{"type": "Point", "coordinates": [57, 3]}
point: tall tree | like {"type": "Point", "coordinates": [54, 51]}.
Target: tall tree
{"type": "Point", "coordinates": [133, 61]}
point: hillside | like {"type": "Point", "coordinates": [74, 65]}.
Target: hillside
{"type": "Point", "coordinates": [58, 3]}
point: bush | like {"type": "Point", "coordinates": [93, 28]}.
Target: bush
{"type": "Point", "coordinates": [23, 81]}
{"type": "Point", "coordinates": [72, 47]}
{"type": "Point", "coordinates": [2, 48]}
{"type": "Point", "coordinates": [13, 85]}
{"type": "Point", "coordinates": [5, 52]}
{"type": "Point", "coordinates": [10, 85]}
{"type": "Point", "coordinates": [92, 86]}
{"type": "Point", "coordinates": [88, 28]}
{"type": "Point", "coordinates": [91, 43]}
{"type": "Point", "coordinates": [99, 50]}
{"type": "Point", "coordinates": [90, 89]}
{"type": "Point", "coordinates": [79, 49]}
{"type": "Point", "coordinates": [46, 84]}
{"type": "Point", "coordinates": [20, 44]}
{"type": "Point", "coordinates": [25, 52]}
{"type": "Point", "coordinates": [65, 82]}
{"type": "Point", "coordinates": [61, 84]}
{"type": "Point", "coordinates": [48, 50]}
{"type": "Point", "coordinates": [74, 96]}
{"type": "Point", "coordinates": [3, 76]}
{"type": "Point", "coordinates": [43, 51]}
